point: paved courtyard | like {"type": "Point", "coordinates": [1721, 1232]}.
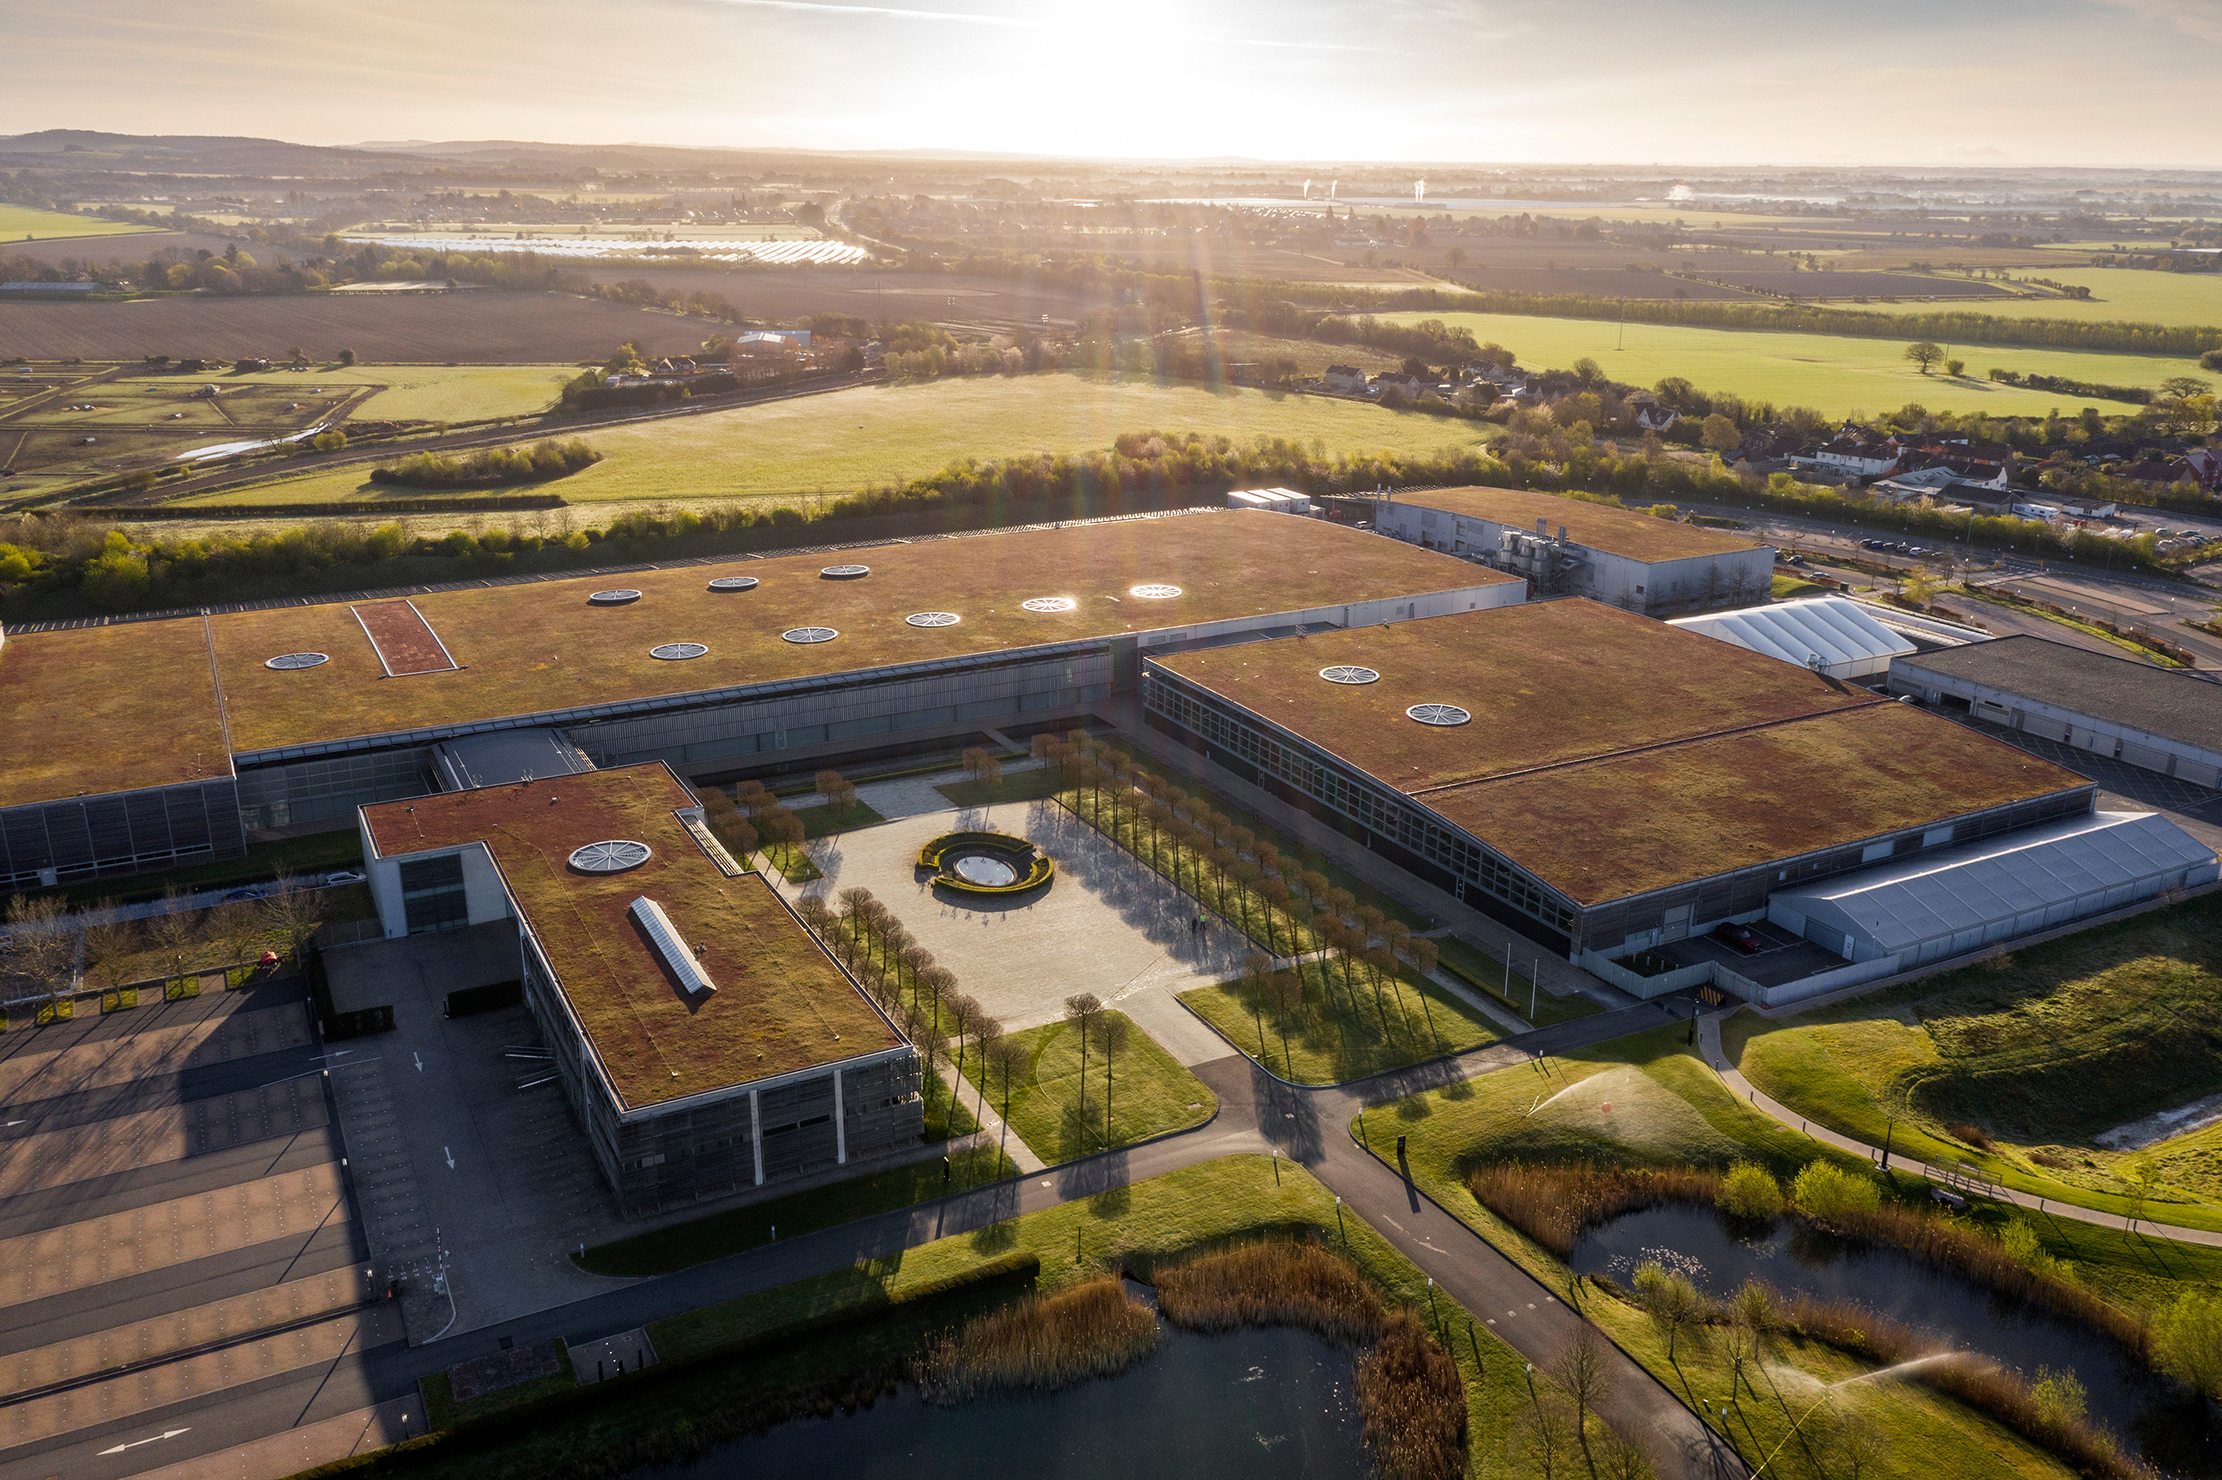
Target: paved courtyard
{"type": "Point", "coordinates": [1106, 924]}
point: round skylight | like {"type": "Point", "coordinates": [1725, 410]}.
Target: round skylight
{"type": "Point", "coordinates": [1153, 593]}
{"type": "Point", "coordinates": [677, 651]}
{"type": "Point", "coordinates": [621, 597]}
{"type": "Point", "coordinates": [810, 634]}
{"type": "Point", "coordinates": [297, 660]}
{"type": "Point", "coordinates": [932, 619]}
{"type": "Point", "coordinates": [1438, 714]}
{"type": "Point", "coordinates": [1050, 604]}
{"type": "Point", "coordinates": [611, 857]}
{"type": "Point", "coordinates": [1349, 673]}
{"type": "Point", "coordinates": [733, 583]}
{"type": "Point", "coordinates": [846, 572]}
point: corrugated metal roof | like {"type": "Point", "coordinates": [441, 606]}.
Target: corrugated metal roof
{"type": "Point", "coordinates": [1901, 905]}
{"type": "Point", "coordinates": [2172, 705]}
{"type": "Point", "coordinates": [668, 945]}
{"type": "Point", "coordinates": [1846, 641]}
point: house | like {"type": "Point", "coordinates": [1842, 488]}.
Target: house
{"type": "Point", "coordinates": [1345, 380]}
{"type": "Point", "coordinates": [1411, 387]}
{"type": "Point", "coordinates": [1653, 417]}
{"type": "Point", "coordinates": [2150, 471]}
{"type": "Point", "coordinates": [1854, 454]}
{"type": "Point", "coordinates": [2202, 466]}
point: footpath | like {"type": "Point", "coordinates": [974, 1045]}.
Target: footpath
{"type": "Point", "coordinates": [1709, 1040]}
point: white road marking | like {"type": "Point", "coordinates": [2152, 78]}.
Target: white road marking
{"type": "Point", "coordinates": [420, 1061]}
{"type": "Point", "coordinates": [158, 1438]}
{"type": "Point", "coordinates": [450, 1158]}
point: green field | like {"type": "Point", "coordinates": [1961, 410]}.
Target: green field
{"type": "Point", "coordinates": [19, 222]}
{"type": "Point", "coordinates": [1151, 1094]}
{"type": "Point", "coordinates": [2139, 295]}
{"type": "Point", "coordinates": [1835, 374]}
{"type": "Point", "coordinates": [877, 435]}
{"type": "Point", "coordinates": [414, 392]}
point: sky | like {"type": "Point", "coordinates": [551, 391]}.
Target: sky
{"type": "Point", "coordinates": [1676, 82]}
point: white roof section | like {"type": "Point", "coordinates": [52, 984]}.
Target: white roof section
{"type": "Point", "coordinates": [1829, 634]}
{"type": "Point", "coordinates": [1957, 899]}
{"type": "Point", "coordinates": [665, 939]}
{"type": "Point", "coordinates": [1278, 500]}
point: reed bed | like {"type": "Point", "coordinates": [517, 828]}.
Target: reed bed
{"type": "Point", "coordinates": [1042, 1343]}
{"type": "Point", "coordinates": [1411, 1398]}
{"type": "Point", "coordinates": [1553, 1204]}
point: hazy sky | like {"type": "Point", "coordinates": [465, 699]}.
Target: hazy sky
{"type": "Point", "coordinates": [1673, 81]}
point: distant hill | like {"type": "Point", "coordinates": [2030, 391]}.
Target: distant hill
{"type": "Point", "coordinates": [90, 149]}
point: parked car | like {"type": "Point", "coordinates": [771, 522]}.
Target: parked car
{"type": "Point", "coordinates": [1739, 937]}
{"type": "Point", "coordinates": [344, 876]}
{"type": "Point", "coordinates": [241, 896]}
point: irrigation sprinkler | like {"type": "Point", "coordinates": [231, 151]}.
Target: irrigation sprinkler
{"type": "Point", "coordinates": [1339, 1226]}
{"type": "Point", "coordinates": [1276, 1166]}
{"type": "Point", "coordinates": [1432, 1311]}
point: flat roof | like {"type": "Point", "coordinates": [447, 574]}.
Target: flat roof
{"type": "Point", "coordinates": [782, 1003]}
{"type": "Point", "coordinates": [1625, 532]}
{"type": "Point", "coordinates": [103, 709]}
{"type": "Point", "coordinates": [538, 647]}
{"type": "Point", "coordinates": [1545, 682]}
{"type": "Point", "coordinates": [1611, 755]}
{"type": "Point", "coordinates": [2159, 701]}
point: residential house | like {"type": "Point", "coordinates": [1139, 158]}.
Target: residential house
{"type": "Point", "coordinates": [1345, 380]}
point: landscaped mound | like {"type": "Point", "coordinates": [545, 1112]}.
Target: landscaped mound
{"type": "Point", "coordinates": [490, 468]}
{"type": "Point", "coordinates": [1044, 1342]}
{"type": "Point", "coordinates": [1409, 1393]}
{"type": "Point", "coordinates": [986, 863]}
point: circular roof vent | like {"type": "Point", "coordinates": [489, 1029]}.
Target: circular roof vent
{"type": "Point", "coordinates": [622, 597]}
{"type": "Point", "coordinates": [846, 572]}
{"type": "Point", "coordinates": [678, 651]}
{"type": "Point", "coordinates": [612, 857]}
{"type": "Point", "coordinates": [1438, 714]}
{"type": "Point", "coordinates": [932, 619]}
{"type": "Point", "coordinates": [1050, 604]}
{"type": "Point", "coordinates": [1349, 673]}
{"type": "Point", "coordinates": [809, 634]}
{"type": "Point", "coordinates": [298, 660]}
{"type": "Point", "coordinates": [1153, 593]}
{"type": "Point", "coordinates": [733, 583]}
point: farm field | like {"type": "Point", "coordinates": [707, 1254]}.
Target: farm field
{"type": "Point", "coordinates": [2139, 295]}
{"type": "Point", "coordinates": [18, 222]}
{"type": "Point", "coordinates": [1834, 374]}
{"type": "Point", "coordinates": [875, 435]}
{"type": "Point", "coordinates": [474, 328]}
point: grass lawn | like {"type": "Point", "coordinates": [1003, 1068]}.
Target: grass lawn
{"type": "Point", "coordinates": [878, 435]}
{"type": "Point", "coordinates": [19, 222]}
{"type": "Point", "coordinates": [1790, 588]}
{"type": "Point", "coordinates": [1836, 374]}
{"type": "Point", "coordinates": [455, 392]}
{"type": "Point", "coordinates": [793, 864]}
{"type": "Point", "coordinates": [663, 1250]}
{"type": "Point", "coordinates": [1148, 1091]}
{"type": "Point", "coordinates": [823, 820]}
{"type": "Point", "coordinates": [1025, 786]}
{"type": "Point", "coordinates": [2037, 1051]}
{"type": "Point", "coordinates": [1335, 1035]}
{"type": "Point", "coordinates": [1485, 972]}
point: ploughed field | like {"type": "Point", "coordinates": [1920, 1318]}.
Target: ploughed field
{"type": "Point", "coordinates": [482, 327]}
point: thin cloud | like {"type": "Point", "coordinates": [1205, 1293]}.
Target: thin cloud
{"type": "Point", "coordinates": [1017, 23]}
{"type": "Point", "coordinates": [2195, 18]}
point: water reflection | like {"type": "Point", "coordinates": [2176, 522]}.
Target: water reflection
{"type": "Point", "coordinates": [1719, 1253]}
{"type": "Point", "coordinates": [1254, 1403]}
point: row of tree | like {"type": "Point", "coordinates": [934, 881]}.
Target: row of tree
{"type": "Point", "coordinates": [45, 945]}
{"type": "Point", "coordinates": [490, 467]}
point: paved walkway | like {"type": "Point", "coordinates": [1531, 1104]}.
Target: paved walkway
{"type": "Point", "coordinates": [1709, 1040]}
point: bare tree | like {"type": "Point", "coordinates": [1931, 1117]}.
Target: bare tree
{"type": "Point", "coordinates": [1007, 1057]}
{"type": "Point", "coordinates": [964, 1013]}
{"type": "Point", "coordinates": [1111, 1035]}
{"type": "Point", "coordinates": [1582, 1369]}
{"type": "Point", "coordinates": [174, 931]}
{"type": "Point", "coordinates": [41, 947]}
{"type": "Point", "coordinates": [1080, 1010]}
{"type": "Point", "coordinates": [109, 936]}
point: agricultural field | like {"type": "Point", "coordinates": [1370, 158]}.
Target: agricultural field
{"type": "Point", "coordinates": [144, 420]}
{"type": "Point", "coordinates": [2139, 295]}
{"type": "Point", "coordinates": [481, 328]}
{"type": "Point", "coordinates": [19, 222]}
{"type": "Point", "coordinates": [876, 435]}
{"type": "Point", "coordinates": [1835, 374]}
{"type": "Point", "coordinates": [125, 249]}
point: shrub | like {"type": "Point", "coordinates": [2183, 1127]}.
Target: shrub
{"type": "Point", "coordinates": [490, 467]}
{"type": "Point", "coordinates": [2187, 1341]}
{"type": "Point", "coordinates": [1750, 1191]}
{"type": "Point", "coordinates": [329, 441]}
{"type": "Point", "coordinates": [1969, 1135]}
{"type": "Point", "coordinates": [1825, 1192]}
{"type": "Point", "coordinates": [1413, 1404]}
{"type": "Point", "coordinates": [1552, 1205]}
{"type": "Point", "coordinates": [1043, 1342]}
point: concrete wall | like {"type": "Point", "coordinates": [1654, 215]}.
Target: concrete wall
{"type": "Point", "coordinates": [1697, 583]}
{"type": "Point", "coordinates": [484, 893]}
{"type": "Point", "coordinates": [2035, 716]}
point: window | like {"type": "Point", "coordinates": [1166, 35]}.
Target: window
{"type": "Point", "coordinates": [432, 894]}
{"type": "Point", "coordinates": [1875, 851]}
{"type": "Point", "coordinates": [1937, 835]}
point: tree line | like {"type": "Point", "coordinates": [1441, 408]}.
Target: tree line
{"type": "Point", "coordinates": [490, 467]}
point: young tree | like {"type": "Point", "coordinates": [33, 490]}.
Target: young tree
{"type": "Point", "coordinates": [964, 1013]}
{"type": "Point", "coordinates": [1719, 434]}
{"type": "Point", "coordinates": [838, 790]}
{"type": "Point", "coordinates": [1080, 1010]}
{"type": "Point", "coordinates": [1582, 1369]}
{"type": "Point", "coordinates": [1924, 354]}
{"type": "Point", "coordinates": [109, 937]}
{"type": "Point", "coordinates": [174, 931]}
{"type": "Point", "coordinates": [41, 948]}
{"type": "Point", "coordinates": [1111, 1036]}
{"type": "Point", "coordinates": [1255, 970]}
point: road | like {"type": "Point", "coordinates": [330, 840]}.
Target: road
{"type": "Point", "coordinates": [1309, 1126]}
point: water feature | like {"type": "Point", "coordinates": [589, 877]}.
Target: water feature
{"type": "Point", "coordinates": [1265, 1403]}
{"type": "Point", "coordinates": [1718, 1253]}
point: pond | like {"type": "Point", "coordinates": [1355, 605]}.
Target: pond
{"type": "Point", "coordinates": [1719, 1253]}
{"type": "Point", "coordinates": [1264, 1403]}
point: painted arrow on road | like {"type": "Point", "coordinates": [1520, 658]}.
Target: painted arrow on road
{"type": "Point", "coordinates": [420, 1062]}
{"type": "Point", "coordinates": [450, 1158]}
{"type": "Point", "coordinates": [158, 1438]}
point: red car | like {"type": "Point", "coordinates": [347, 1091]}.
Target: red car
{"type": "Point", "coordinates": [1742, 937]}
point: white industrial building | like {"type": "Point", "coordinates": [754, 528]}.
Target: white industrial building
{"type": "Point", "coordinates": [1571, 547]}
{"type": "Point", "coordinates": [2159, 719]}
{"type": "Point", "coordinates": [1271, 500]}
{"type": "Point", "coordinates": [1833, 636]}
{"type": "Point", "coordinates": [1903, 915]}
